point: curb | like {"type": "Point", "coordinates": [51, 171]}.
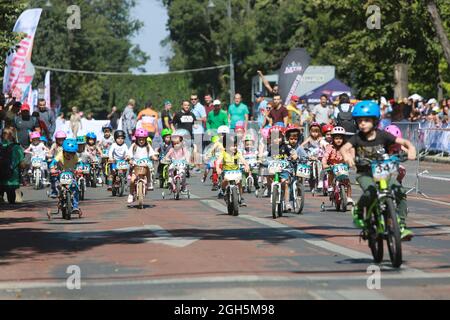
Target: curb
{"type": "Point", "coordinates": [436, 159]}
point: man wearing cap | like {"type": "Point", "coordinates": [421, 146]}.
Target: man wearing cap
{"type": "Point", "coordinates": [167, 116]}
{"type": "Point", "coordinates": [24, 124]}
{"type": "Point", "coordinates": [217, 117]}
{"type": "Point", "coordinates": [261, 108]}
{"type": "Point", "coordinates": [295, 114]}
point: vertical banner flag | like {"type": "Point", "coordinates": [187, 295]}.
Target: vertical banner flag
{"type": "Point", "coordinates": [291, 72]}
{"type": "Point", "coordinates": [47, 90]}
{"type": "Point", "coordinates": [18, 70]}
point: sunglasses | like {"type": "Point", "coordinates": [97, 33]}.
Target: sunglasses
{"type": "Point", "coordinates": [194, 99]}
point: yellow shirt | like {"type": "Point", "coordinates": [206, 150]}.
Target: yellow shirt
{"type": "Point", "coordinates": [149, 119]}
{"type": "Point", "coordinates": [230, 162]}
{"type": "Point", "coordinates": [65, 164]}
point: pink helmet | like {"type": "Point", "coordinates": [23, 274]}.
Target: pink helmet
{"type": "Point", "coordinates": [141, 133]}
{"type": "Point", "coordinates": [35, 135]}
{"type": "Point", "coordinates": [265, 133]}
{"type": "Point", "coordinates": [133, 138]}
{"type": "Point", "coordinates": [394, 130]}
{"type": "Point", "coordinates": [60, 135]}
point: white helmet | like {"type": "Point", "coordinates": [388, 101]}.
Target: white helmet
{"type": "Point", "coordinates": [223, 129]}
{"type": "Point", "coordinates": [338, 130]}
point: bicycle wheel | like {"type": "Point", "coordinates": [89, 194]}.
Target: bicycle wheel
{"type": "Point", "coordinates": [280, 205]}
{"type": "Point", "coordinates": [140, 194]}
{"type": "Point", "coordinates": [274, 201]}
{"type": "Point", "coordinates": [82, 188]}
{"type": "Point", "coordinates": [94, 179]}
{"type": "Point", "coordinates": [68, 206]}
{"type": "Point", "coordinates": [393, 234]}
{"type": "Point", "coordinates": [121, 190]}
{"type": "Point", "coordinates": [229, 202]}
{"type": "Point", "coordinates": [37, 179]}
{"type": "Point", "coordinates": [375, 241]}
{"type": "Point", "coordinates": [177, 189]}
{"type": "Point", "coordinates": [343, 196]}
{"type": "Point", "coordinates": [235, 202]}
{"type": "Point", "coordinates": [300, 201]}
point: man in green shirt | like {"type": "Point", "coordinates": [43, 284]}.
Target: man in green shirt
{"type": "Point", "coordinates": [217, 117]}
{"type": "Point", "coordinates": [238, 111]}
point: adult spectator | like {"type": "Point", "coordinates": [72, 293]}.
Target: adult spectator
{"type": "Point", "coordinates": [294, 113]}
{"type": "Point", "coordinates": [342, 114]}
{"type": "Point", "coordinates": [149, 119]}
{"type": "Point", "coordinates": [200, 114]}
{"type": "Point", "coordinates": [2, 112]}
{"type": "Point", "coordinates": [185, 118]}
{"type": "Point", "coordinates": [217, 117]}
{"type": "Point", "coordinates": [11, 162]}
{"type": "Point", "coordinates": [24, 124]}
{"type": "Point", "coordinates": [12, 110]}
{"type": "Point", "coordinates": [209, 106]}
{"type": "Point", "coordinates": [278, 113]}
{"type": "Point", "coordinates": [238, 111]}
{"type": "Point", "coordinates": [167, 116]}
{"type": "Point", "coordinates": [114, 117]}
{"type": "Point", "coordinates": [129, 121]}
{"type": "Point", "coordinates": [322, 112]}
{"type": "Point", "coordinates": [41, 127]}
{"type": "Point", "coordinates": [272, 91]}
{"type": "Point", "coordinates": [48, 117]}
{"type": "Point", "coordinates": [261, 108]}
{"type": "Point", "coordinates": [75, 122]}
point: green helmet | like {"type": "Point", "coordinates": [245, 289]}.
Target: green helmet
{"type": "Point", "coordinates": [214, 139]}
{"type": "Point", "coordinates": [81, 140]}
{"type": "Point", "coordinates": [166, 132]}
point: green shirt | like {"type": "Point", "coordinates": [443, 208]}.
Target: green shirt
{"type": "Point", "coordinates": [237, 113]}
{"type": "Point", "coordinates": [215, 121]}
{"type": "Point", "coordinates": [17, 157]}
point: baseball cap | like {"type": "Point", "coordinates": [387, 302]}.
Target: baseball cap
{"type": "Point", "coordinates": [259, 94]}
{"type": "Point", "coordinates": [167, 102]}
{"type": "Point", "coordinates": [25, 107]}
{"type": "Point", "coordinates": [295, 98]}
{"type": "Point", "coordinates": [217, 103]}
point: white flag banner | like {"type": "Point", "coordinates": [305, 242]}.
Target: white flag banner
{"type": "Point", "coordinates": [18, 62]}
{"type": "Point", "coordinates": [47, 90]}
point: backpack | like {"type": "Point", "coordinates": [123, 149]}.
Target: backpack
{"type": "Point", "coordinates": [6, 163]}
{"type": "Point", "coordinates": [345, 120]}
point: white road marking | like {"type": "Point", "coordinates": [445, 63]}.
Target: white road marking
{"type": "Point", "coordinates": [434, 225]}
{"type": "Point", "coordinates": [430, 200]}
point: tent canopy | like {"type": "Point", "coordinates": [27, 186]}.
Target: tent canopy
{"type": "Point", "coordinates": [332, 89]}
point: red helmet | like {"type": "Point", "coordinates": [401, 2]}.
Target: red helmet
{"type": "Point", "coordinates": [314, 124]}
{"type": "Point", "coordinates": [277, 128]}
{"type": "Point", "coordinates": [291, 129]}
{"type": "Point", "coordinates": [327, 128]}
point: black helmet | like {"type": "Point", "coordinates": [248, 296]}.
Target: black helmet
{"type": "Point", "coordinates": [119, 133]}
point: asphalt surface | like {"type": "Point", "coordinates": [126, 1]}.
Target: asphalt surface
{"type": "Point", "coordinates": [191, 249]}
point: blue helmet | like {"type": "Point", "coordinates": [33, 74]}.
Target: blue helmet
{"type": "Point", "coordinates": [280, 124]}
{"type": "Point", "coordinates": [43, 139]}
{"type": "Point", "coordinates": [70, 146]}
{"type": "Point", "coordinates": [107, 126]}
{"type": "Point", "coordinates": [367, 109]}
{"type": "Point", "coordinates": [91, 135]}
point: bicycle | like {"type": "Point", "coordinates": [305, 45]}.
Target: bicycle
{"type": "Point", "coordinates": [277, 191]}
{"type": "Point", "coordinates": [232, 194]}
{"type": "Point", "coordinates": [338, 196]}
{"type": "Point", "coordinates": [303, 171]}
{"type": "Point", "coordinates": [177, 168]}
{"type": "Point", "coordinates": [140, 170]}
{"type": "Point", "coordinates": [81, 170]}
{"type": "Point", "coordinates": [66, 182]}
{"type": "Point", "coordinates": [120, 169]}
{"type": "Point", "coordinates": [37, 173]}
{"type": "Point", "coordinates": [381, 220]}
{"type": "Point", "coordinates": [248, 177]}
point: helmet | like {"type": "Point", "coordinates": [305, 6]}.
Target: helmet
{"type": "Point", "coordinates": [141, 133]}
{"type": "Point", "coordinates": [44, 139]}
{"type": "Point", "coordinates": [166, 132]}
{"type": "Point", "coordinates": [177, 134]}
{"type": "Point", "coordinates": [367, 109]}
{"type": "Point", "coordinates": [107, 126]}
{"type": "Point", "coordinates": [91, 135]}
{"type": "Point", "coordinates": [327, 128]}
{"type": "Point", "coordinates": [280, 124]}
{"type": "Point", "coordinates": [248, 137]}
{"type": "Point", "coordinates": [314, 124]}
{"type": "Point", "coordinates": [149, 141]}
{"type": "Point", "coordinates": [119, 133]}
{"type": "Point", "coordinates": [239, 125]}
{"type": "Point", "coordinates": [81, 140]}
{"type": "Point", "coordinates": [265, 132]}
{"type": "Point", "coordinates": [35, 135]}
{"type": "Point", "coordinates": [394, 130]}
{"type": "Point", "coordinates": [276, 128]}
{"type": "Point", "coordinates": [214, 139]}
{"type": "Point", "coordinates": [60, 135]}
{"type": "Point", "coordinates": [338, 130]}
{"type": "Point", "coordinates": [223, 129]}
{"type": "Point", "coordinates": [70, 146]}
{"type": "Point", "coordinates": [291, 129]}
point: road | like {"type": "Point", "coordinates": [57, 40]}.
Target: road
{"type": "Point", "coordinates": [191, 249]}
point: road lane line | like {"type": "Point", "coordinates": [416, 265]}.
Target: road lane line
{"type": "Point", "coordinates": [430, 200]}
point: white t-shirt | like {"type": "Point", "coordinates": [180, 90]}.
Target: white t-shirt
{"type": "Point", "coordinates": [117, 152]}
{"type": "Point", "coordinates": [141, 152]}
{"type": "Point", "coordinates": [39, 151]}
{"type": "Point", "coordinates": [322, 114]}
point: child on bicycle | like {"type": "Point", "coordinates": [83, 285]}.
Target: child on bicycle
{"type": "Point", "coordinates": [250, 154]}
{"type": "Point", "coordinates": [230, 160]}
{"type": "Point", "coordinates": [66, 161]}
{"type": "Point", "coordinates": [333, 156]}
{"type": "Point", "coordinates": [137, 151]}
{"type": "Point", "coordinates": [177, 152]}
{"type": "Point", "coordinates": [56, 147]}
{"type": "Point", "coordinates": [166, 135]}
{"type": "Point", "coordinates": [326, 131]}
{"type": "Point", "coordinates": [118, 151]}
{"type": "Point", "coordinates": [396, 149]}
{"type": "Point", "coordinates": [37, 149]}
{"type": "Point", "coordinates": [366, 144]}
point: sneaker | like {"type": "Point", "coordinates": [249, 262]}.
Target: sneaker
{"type": "Point", "coordinates": [203, 180]}
{"type": "Point", "coordinates": [75, 211]}
{"type": "Point", "coordinates": [130, 198]}
{"type": "Point", "coordinates": [109, 188]}
{"type": "Point", "coordinates": [357, 221]}
{"type": "Point", "coordinates": [350, 200]}
{"type": "Point", "coordinates": [221, 194]}
{"type": "Point", "coordinates": [19, 195]}
{"type": "Point", "coordinates": [54, 195]}
{"type": "Point", "coordinates": [288, 207]}
{"type": "Point", "coordinates": [266, 193]}
{"type": "Point", "coordinates": [214, 188]}
{"type": "Point", "coordinates": [406, 234]}
{"type": "Point", "coordinates": [150, 188]}
{"type": "Point", "coordinates": [330, 189]}
{"type": "Point", "coordinates": [197, 170]}
{"type": "Point", "coordinates": [242, 204]}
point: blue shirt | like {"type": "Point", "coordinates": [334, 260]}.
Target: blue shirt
{"type": "Point", "coordinates": [237, 113]}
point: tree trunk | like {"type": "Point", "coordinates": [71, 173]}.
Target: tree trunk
{"type": "Point", "coordinates": [401, 81]}
{"type": "Point", "coordinates": [440, 31]}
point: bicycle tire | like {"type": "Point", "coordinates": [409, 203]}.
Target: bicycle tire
{"type": "Point", "coordinates": [140, 194]}
{"type": "Point", "coordinates": [235, 202]}
{"type": "Point", "coordinates": [274, 201]}
{"type": "Point", "coordinates": [375, 241]}
{"type": "Point", "coordinates": [300, 201]}
{"type": "Point", "coordinates": [177, 189]}
{"type": "Point", "coordinates": [343, 196]}
{"type": "Point", "coordinates": [393, 234]}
